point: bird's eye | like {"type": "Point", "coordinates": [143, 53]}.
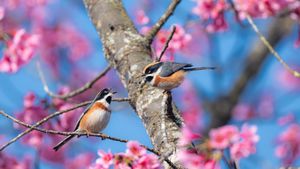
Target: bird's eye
{"type": "Point", "coordinates": [149, 78]}
{"type": "Point", "coordinates": [105, 92]}
{"type": "Point", "coordinates": [148, 71]}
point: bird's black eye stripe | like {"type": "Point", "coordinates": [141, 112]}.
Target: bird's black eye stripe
{"type": "Point", "coordinates": [149, 78]}
{"type": "Point", "coordinates": [153, 68]}
{"type": "Point", "coordinates": [108, 99]}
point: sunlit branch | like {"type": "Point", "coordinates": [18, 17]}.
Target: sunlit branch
{"type": "Point", "coordinates": [163, 19]}
{"type": "Point", "coordinates": [271, 49]}
{"type": "Point", "coordinates": [102, 136]}
{"type": "Point", "coordinates": [167, 43]}
{"type": "Point", "coordinates": [73, 93]}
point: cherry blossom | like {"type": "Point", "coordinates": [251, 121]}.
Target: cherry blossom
{"type": "Point", "coordinates": [248, 133]}
{"type": "Point", "coordinates": [10, 162]}
{"type": "Point", "coordinates": [192, 160]}
{"type": "Point", "coordinates": [240, 150]}
{"type": "Point", "coordinates": [243, 111]}
{"type": "Point", "coordinates": [134, 149]}
{"type": "Point", "coordinates": [212, 11]}
{"type": "Point", "coordinates": [187, 136]}
{"type": "Point", "coordinates": [32, 112]}
{"type": "Point", "coordinates": [135, 157]}
{"type": "Point", "coordinates": [246, 145]}
{"type": "Point", "coordinates": [265, 8]}
{"type": "Point", "coordinates": [105, 161]}
{"type": "Point", "coordinates": [149, 161]}
{"type": "Point", "coordinates": [287, 80]}
{"type": "Point", "coordinates": [141, 18]}
{"type": "Point", "coordinates": [80, 161]}
{"type": "Point", "coordinates": [48, 154]}
{"type": "Point", "coordinates": [286, 119]}
{"type": "Point", "coordinates": [2, 12]}
{"type": "Point", "coordinates": [222, 137]}
{"type": "Point", "coordinates": [288, 148]}
{"type": "Point", "coordinates": [241, 143]}
{"type": "Point", "coordinates": [179, 41]}
{"type": "Point", "coordinates": [19, 51]}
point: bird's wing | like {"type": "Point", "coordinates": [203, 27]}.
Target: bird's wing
{"type": "Point", "coordinates": [84, 112]}
{"type": "Point", "coordinates": [168, 68]}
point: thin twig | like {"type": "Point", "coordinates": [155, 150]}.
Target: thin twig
{"type": "Point", "coordinates": [167, 43]}
{"type": "Point", "coordinates": [103, 136]}
{"type": "Point", "coordinates": [41, 122]}
{"type": "Point", "coordinates": [226, 161]}
{"type": "Point", "coordinates": [163, 19]}
{"type": "Point", "coordinates": [73, 93]}
{"type": "Point", "coordinates": [271, 49]}
{"type": "Point", "coordinates": [57, 113]}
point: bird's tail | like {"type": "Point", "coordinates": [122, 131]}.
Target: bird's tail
{"type": "Point", "coordinates": [199, 68]}
{"type": "Point", "coordinates": [64, 141]}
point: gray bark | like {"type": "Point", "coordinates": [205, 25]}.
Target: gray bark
{"type": "Point", "coordinates": [129, 52]}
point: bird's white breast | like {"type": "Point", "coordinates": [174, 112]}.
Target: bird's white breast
{"type": "Point", "coordinates": [98, 120]}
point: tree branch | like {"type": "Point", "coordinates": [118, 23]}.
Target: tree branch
{"type": "Point", "coordinates": [167, 43]}
{"type": "Point", "coordinates": [45, 119]}
{"type": "Point", "coordinates": [271, 49]}
{"type": "Point", "coordinates": [73, 93]}
{"type": "Point", "coordinates": [163, 19]}
{"type": "Point", "coordinates": [221, 108]}
{"type": "Point", "coordinates": [101, 135]}
{"type": "Point", "coordinates": [42, 122]}
{"type": "Point", "coordinates": [129, 52]}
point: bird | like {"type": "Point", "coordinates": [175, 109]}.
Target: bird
{"type": "Point", "coordinates": [95, 117]}
{"type": "Point", "coordinates": [168, 75]}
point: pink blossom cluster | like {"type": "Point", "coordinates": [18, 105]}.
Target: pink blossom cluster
{"type": "Point", "coordinates": [32, 112]}
{"type": "Point", "coordinates": [263, 107]}
{"type": "Point", "coordinates": [288, 145]}
{"type": "Point", "coordinates": [193, 159]}
{"type": "Point", "coordinates": [263, 8]}
{"type": "Point", "coordinates": [47, 40]}
{"type": "Point", "coordinates": [19, 51]}
{"type": "Point", "coordinates": [62, 36]}
{"type": "Point", "coordinates": [141, 18]}
{"type": "Point", "coordinates": [135, 157]}
{"type": "Point", "coordinates": [36, 109]}
{"type": "Point", "coordinates": [66, 121]}
{"type": "Point", "coordinates": [240, 144]}
{"type": "Point", "coordinates": [80, 161]}
{"type": "Point", "coordinates": [179, 42]}
{"type": "Point", "coordinates": [213, 14]}
{"type": "Point", "coordinates": [10, 162]}
{"type": "Point", "coordinates": [13, 4]}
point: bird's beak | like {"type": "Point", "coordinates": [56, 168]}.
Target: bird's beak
{"type": "Point", "coordinates": [111, 91]}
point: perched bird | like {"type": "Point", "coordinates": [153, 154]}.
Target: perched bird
{"type": "Point", "coordinates": [95, 118]}
{"type": "Point", "coordinates": [168, 75]}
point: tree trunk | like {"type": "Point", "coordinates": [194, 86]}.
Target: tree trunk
{"type": "Point", "coordinates": [129, 52]}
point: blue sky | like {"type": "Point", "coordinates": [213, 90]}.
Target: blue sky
{"type": "Point", "coordinates": [124, 121]}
